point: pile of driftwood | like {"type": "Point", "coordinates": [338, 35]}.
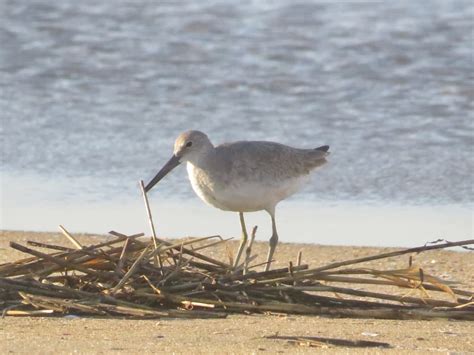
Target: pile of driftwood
{"type": "Point", "coordinates": [132, 276]}
{"type": "Point", "coordinates": [126, 275]}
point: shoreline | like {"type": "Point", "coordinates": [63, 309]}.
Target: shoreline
{"type": "Point", "coordinates": [336, 223]}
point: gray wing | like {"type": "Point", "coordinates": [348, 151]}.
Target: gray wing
{"type": "Point", "coordinates": [264, 161]}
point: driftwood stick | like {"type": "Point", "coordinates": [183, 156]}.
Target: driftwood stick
{"type": "Point", "coordinates": [131, 271]}
{"type": "Point", "coordinates": [48, 246]}
{"type": "Point", "coordinates": [319, 341]}
{"type": "Point", "coordinates": [406, 284]}
{"type": "Point", "coordinates": [39, 288]}
{"type": "Point", "coordinates": [262, 274]}
{"type": "Point", "coordinates": [34, 287]}
{"type": "Point", "coordinates": [248, 250]}
{"type": "Point", "coordinates": [391, 254]}
{"type": "Point", "coordinates": [299, 257]}
{"type": "Point", "coordinates": [156, 258]}
{"type": "Point", "coordinates": [395, 277]}
{"type": "Point", "coordinates": [61, 263]}
{"type": "Point", "coordinates": [78, 257]}
{"type": "Point", "coordinates": [28, 313]}
{"type": "Point", "coordinates": [71, 252]}
{"type": "Point", "coordinates": [360, 293]}
{"type": "Point", "coordinates": [381, 312]}
{"type": "Point", "coordinates": [179, 245]}
{"type": "Point", "coordinates": [122, 256]}
{"type": "Point", "coordinates": [70, 237]}
{"type": "Point", "coordinates": [196, 254]}
{"type": "Point", "coordinates": [217, 242]}
{"type": "Point", "coordinates": [121, 236]}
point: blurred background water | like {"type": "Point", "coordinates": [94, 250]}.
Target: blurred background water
{"type": "Point", "coordinates": [93, 94]}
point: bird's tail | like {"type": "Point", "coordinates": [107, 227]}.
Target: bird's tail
{"type": "Point", "coordinates": [319, 155]}
{"type": "Point", "coordinates": [323, 148]}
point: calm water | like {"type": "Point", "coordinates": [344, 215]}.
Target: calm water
{"type": "Point", "coordinates": [92, 94]}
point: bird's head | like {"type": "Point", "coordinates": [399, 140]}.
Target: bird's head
{"type": "Point", "coordinates": [189, 146]}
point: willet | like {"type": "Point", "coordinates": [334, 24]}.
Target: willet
{"type": "Point", "coordinates": [244, 176]}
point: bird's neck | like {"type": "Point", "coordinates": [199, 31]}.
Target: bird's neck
{"type": "Point", "coordinates": [203, 159]}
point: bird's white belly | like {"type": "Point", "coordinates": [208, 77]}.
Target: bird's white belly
{"type": "Point", "coordinates": [242, 196]}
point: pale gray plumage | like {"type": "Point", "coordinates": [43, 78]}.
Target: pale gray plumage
{"type": "Point", "coordinates": [243, 176]}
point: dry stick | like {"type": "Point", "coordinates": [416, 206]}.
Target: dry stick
{"type": "Point", "coordinates": [248, 251]}
{"type": "Point", "coordinates": [313, 299]}
{"type": "Point", "coordinates": [91, 248]}
{"type": "Point", "coordinates": [17, 312]}
{"type": "Point", "coordinates": [248, 260]}
{"type": "Point", "coordinates": [331, 341]}
{"type": "Point", "coordinates": [299, 257]}
{"type": "Point", "coordinates": [360, 293]}
{"type": "Point", "coordinates": [254, 266]}
{"type": "Point", "coordinates": [399, 276]}
{"type": "Point", "coordinates": [57, 305]}
{"type": "Point", "coordinates": [197, 255]}
{"type": "Point", "coordinates": [61, 263]}
{"type": "Point", "coordinates": [74, 257]}
{"type": "Point", "coordinates": [173, 273]}
{"type": "Point", "coordinates": [382, 274]}
{"type": "Point", "coordinates": [148, 211]}
{"type": "Point", "coordinates": [70, 237]}
{"type": "Point", "coordinates": [93, 306]}
{"type": "Point", "coordinates": [48, 291]}
{"type": "Point", "coordinates": [131, 271]}
{"type": "Point", "coordinates": [35, 287]}
{"type": "Point", "coordinates": [124, 236]}
{"type": "Point", "coordinates": [150, 217]}
{"type": "Point", "coordinates": [121, 261]}
{"type": "Point", "coordinates": [22, 266]}
{"type": "Point", "coordinates": [48, 246]}
{"type": "Point", "coordinates": [270, 284]}
{"type": "Point", "coordinates": [79, 253]}
{"type": "Point", "coordinates": [390, 254]}
{"type": "Point", "coordinates": [382, 312]}
{"type": "Point", "coordinates": [69, 251]}
{"type": "Point", "coordinates": [18, 270]}
{"type": "Point", "coordinates": [221, 241]}
{"type": "Point", "coordinates": [41, 288]}
{"type": "Point", "coordinates": [405, 284]}
{"type": "Point", "coordinates": [156, 258]}
{"type": "Point", "coordinates": [262, 274]}
{"type": "Point", "coordinates": [179, 245]}
{"type": "Point", "coordinates": [197, 264]}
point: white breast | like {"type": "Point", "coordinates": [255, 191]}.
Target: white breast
{"type": "Point", "coordinates": [242, 196]}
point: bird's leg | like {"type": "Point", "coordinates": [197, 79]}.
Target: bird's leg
{"type": "Point", "coordinates": [243, 241]}
{"type": "Point", "coordinates": [273, 243]}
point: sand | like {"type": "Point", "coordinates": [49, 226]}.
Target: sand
{"type": "Point", "coordinates": [239, 333]}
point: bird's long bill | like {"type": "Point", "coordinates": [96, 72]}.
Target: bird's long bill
{"type": "Point", "coordinates": [170, 165]}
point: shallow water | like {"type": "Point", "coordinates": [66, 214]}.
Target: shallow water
{"type": "Point", "coordinates": [93, 94]}
{"type": "Point", "coordinates": [336, 223]}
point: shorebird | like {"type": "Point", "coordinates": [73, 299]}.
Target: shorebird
{"type": "Point", "coordinates": [244, 176]}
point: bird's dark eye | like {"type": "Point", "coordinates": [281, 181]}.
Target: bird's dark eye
{"type": "Point", "coordinates": [189, 144]}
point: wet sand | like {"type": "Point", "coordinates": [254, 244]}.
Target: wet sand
{"type": "Point", "coordinates": [239, 333]}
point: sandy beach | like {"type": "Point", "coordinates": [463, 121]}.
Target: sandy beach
{"type": "Point", "coordinates": [239, 333]}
